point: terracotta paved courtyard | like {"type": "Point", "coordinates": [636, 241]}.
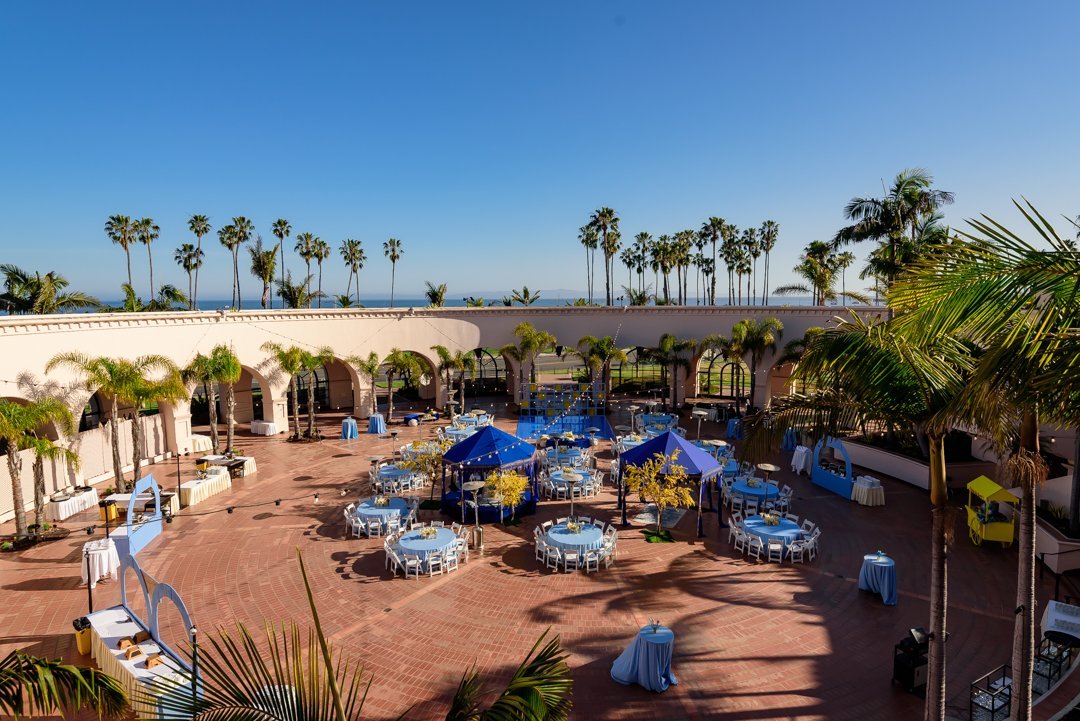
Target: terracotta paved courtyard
{"type": "Point", "coordinates": [753, 640]}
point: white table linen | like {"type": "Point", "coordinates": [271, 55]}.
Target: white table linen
{"type": "Point", "coordinates": [264, 428]}
{"type": "Point", "coordinates": [802, 460]}
{"type": "Point", "coordinates": [198, 490]}
{"type": "Point", "coordinates": [200, 444]}
{"type": "Point", "coordinates": [868, 491]}
{"type": "Point", "coordinates": [100, 560]}
{"type": "Point", "coordinates": [249, 467]}
{"type": "Point", "coordinates": [59, 510]}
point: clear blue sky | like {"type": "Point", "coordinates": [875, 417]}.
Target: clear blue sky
{"type": "Point", "coordinates": [483, 134]}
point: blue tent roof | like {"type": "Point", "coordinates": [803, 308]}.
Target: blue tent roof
{"type": "Point", "coordinates": [490, 447]}
{"type": "Point", "coordinates": [692, 458]}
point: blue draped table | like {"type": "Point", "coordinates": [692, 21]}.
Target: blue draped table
{"type": "Point", "coordinates": [791, 440]}
{"type": "Point", "coordinates": [366, 510]}
{"type": "Point", "coordinates": [785, 531]}
{"type": "Point", "coordinates": [647, 660]}
{"type": "Point", "coordinates": [878, 575]}
{"type": "Point", "coordinates": [413, 543]}
{"type": "Point", "coordinates": [348, 429]}
{"type": "Point", "coordinates": [761, 493]}
{"type": "Point", "coordinates": [376, 424]}
{"type": "Point", "coordinates": [734, 428]}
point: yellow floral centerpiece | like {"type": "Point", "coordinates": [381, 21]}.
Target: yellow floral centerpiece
{"type": "Point", "coordinates": [771, 519]}
{"type": "Point", "coordinates": [381, 501]}
{"type": "Point", "coordinates": [753, 482]}
{"type": "Point", "coordinates": [573, 526]}
{"type": "Point", "coordinates": [428, 533]}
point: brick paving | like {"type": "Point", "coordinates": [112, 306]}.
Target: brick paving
{"type": "Point", "coordinates": [753, 640]}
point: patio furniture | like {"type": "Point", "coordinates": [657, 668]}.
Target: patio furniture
{"type": "Point", "coordinates": [647, 660]}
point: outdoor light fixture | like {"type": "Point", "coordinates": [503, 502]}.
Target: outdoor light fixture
{"type": "Point", "coordinates": [229, 509]}
{"type": "Point", "coordinates": [90, 530]}
{"type": "Point", "coordinates": [316, 497]}
{"type": "Point", "coordinates": [277, 502]}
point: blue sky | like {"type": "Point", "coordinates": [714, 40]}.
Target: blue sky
{"type": "Point", "coordinates": [483, 134]}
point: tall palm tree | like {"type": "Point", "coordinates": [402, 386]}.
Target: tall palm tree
{"type": "Point", "coordinates": [599, 354]}
{"type": "Point", "coordinates": [436, 294]}
{"type": "Point", "coordinates": [590, 241]}
{"type": "Point", "coordinates": [818, 267]}
{"type": "Point", "coordinates": [120, 380]}
{"type": "Point", "coordinates": [243, 230]}
{"type": "Point", "coordinates": [752, 245]}
{"type": "Point", "coordinates": [672, 353]}
{"type": "Point", "coordinates": [281, 229]}
{"type": "Point", "coordinates": [45, 449]}
{"type": "Point", "coordinates": [169, 298]}
{"type": "Point", "coordinates": [34, 686]}
{"type": "Point", "coordinates": [295, 295]}
{"type": "Point", "coordinates": [312, 361]}
{"type": "Point", "coordinates": [221, 367]}
{"type": "Point", "coordinates": [18, 428]}
{"type": "Point", "coordinates": [399, 363]}
{"type": "Point", "coordinates": [393, 250]}
{"type": "Point", "coordinates": [729, 249]}
{"type": "Point", "coordinates": [770, 232]}
{"type": "Point", "coordinates": [754, 338]}
{"type": "Point", "coordinates": [263, 266]}
{"type": "Point", "coordinates": [289, 361]}
{"type": "Point", "coordinates": [41, 294]}
{"type": "Point", "coordinates": [120, 231]}
{"type": "Point", "coordinates": [320, 252]}
{"type": "Point", "coordinates": [369, 368]}
{"type": "Point", "coordinates": [642, 243]}
{"type": "Point", "coordinates": [713, 229]}
{"type": "Point", "coordinates": [1018, 304]}
{"type": "Point", "coordinates": [352, 252]}
{"type": "Point", "coordinates": [228, 237]}
{"type": "Point", "coordinates": [459, 362]}
{"type": "Point", "coordinates": [888, 220]}
{"type": "Point", "coordinates": [146, 232]}
{"type": "Point", "coordinates": [628, 256]}
{"type": "Point", "coordinates": [524, 296]}
{"type": "Point", "coordinates": [189, 258]}
{"type": "Point", "coordinates": [531, 343]}
{"type": "Point", "coordinates": [605, 221]}
{"type": "Point", "coordinates": [199, 225]}
{"type": "Point", "coordinates": [305, 248]}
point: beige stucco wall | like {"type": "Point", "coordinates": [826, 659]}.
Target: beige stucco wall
{"type": "Point", "coordinates": [28, 342]}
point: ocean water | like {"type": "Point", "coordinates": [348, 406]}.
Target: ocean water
{"type": "Point", "coordinates": [255, 304]}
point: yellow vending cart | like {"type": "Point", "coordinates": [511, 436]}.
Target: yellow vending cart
{"type": "Point", "coordinates": [985, 521]}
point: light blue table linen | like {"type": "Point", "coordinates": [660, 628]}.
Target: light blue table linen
{"type": "Point", "coordinates": [878, 574]}
{"type": "Point", "coordinates": [647, 660]}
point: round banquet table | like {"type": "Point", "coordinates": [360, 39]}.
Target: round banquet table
{"type": "Point", "coordinates": [762, 493]}
{"type": "Point", "coordinates": [647, 660]}
{"type": "Point", "coordinates": [563, 455]}
{"type": "Point", "coordinates": [103, 559]}
{"type": "Point", "coordinates": [418, 448]}
{"type": "Point", "coordinates": [627, 442]}
{"type": "Point", "coordinates": [393, 472]}
{"type": "Point", "coordinates": [412, 543]}
{"type": "Point", "coordinates": [349, 429]}
{"type": "Point", "coordinates": [557, 478]}
{"type": "Point", "coordinates": [376, 423]}
{"type": "Point", "coordinates": [459, 434]}
{"type": "Point", "coordinates": [366, 509]}
{"type": "Point", "coordinates": [589, 538]}
{"type": "Point", "coordinates": [786, 531]}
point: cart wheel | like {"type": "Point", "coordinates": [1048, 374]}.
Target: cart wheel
{"type": "Point", "coordinates": [975, 537]}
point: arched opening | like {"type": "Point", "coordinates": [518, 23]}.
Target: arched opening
{"type": "Point", "coordinates": [411, 387]}
{"type": "Point", "coordinates": [95, 412]}
{"type": "Point", "coordinates": [489, 378]}
{"type": "Point", "coordinates": [722, 377]}
{"type": "Point", "coordinates": [639, 373]}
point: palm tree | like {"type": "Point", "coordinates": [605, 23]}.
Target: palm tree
{"type": "Point", "coordinates": [35, 686]}
{"type": "Point", "coordinates": [146, 378]}
{"type": "Point", "coordinates": [532, 343]}
{"type": "Point", "coordinates": [605, 222]}
{"type": "Point", "coordinates": [599, 354]}
{"type": "Point", "coordinates": [472, 302]}
{"type": "Point", "coordinates": [908, 201]}
{"type": "Point", "coordinates": [1017, 304]}
{"type": "Point", "coordinates": [321, 251]}
{"type": "Point", "coordinates": [369, 368]}
{"type": "Point", "coordinates": [220, 367]}
{"type": "Point", "coordinates": [227, 236]}
{"type": "Point", "coordinates": [352, 252]}
{"type": "Point", "coordinates": [392, 249]}
{"type": "Point", "coordinates": [18, 428]}
{"type": "Point", "coordinates": [146, 232]}
{"type": "Point", "coordinates": [752, 245]}
{"type": "Point", "coordinates": [45, 449]}
{"type": "Point", "coordinates": [671, 352]}
{"type": "Point", "coordinates": [436, 294]}
{"type": "Point", "coordinates": [729, 249]}
{"type": "Point", "coordinates": [295, 295]}
{"type": "Point", "coordinates": [263, 266]}
{"type": "Point", "coordinates": [864, 372]}
{"type": "Point", "coordinates": [399, 363]}
{"type": "Point", "coordinates": [237, 682]}
{"type": "Point", "coordinates": [289, 361]}
{"type": "Point", "coordinates": [200, 226]}
{"type": "Point", "coordinates": [523, 296]}
{"type": "Point", "coordinates": [305, 248]}
{"type": "Point", "coordinates": [713, 229]}
{"type": "Point", "coordinates": [344, 300]}
{"type": "Point", "coordinates": [818, 267]}
{"type": "Point", "coordinates": [243, 230]}
{"type": "Point", "coordinates": [281, 229]}
{"type": "Point", "coordinates": [189, 258]}
{"type": "Point", "coordinates": [121, 232]}
{"type": "Point", "coordinates": [637, 297]}
{"type": "Point", "coordinates": [460, 362]}
{"type": "Point", "coordinates": [26, 292]}
{"type": "Point", "coordinates": [589, 240]}
{"type": "Point", "coordinates": [312, 361]}
{"type": "Point", "coordinates": [169, 298]}
{"type": "Point", "coordinates": [770, 231]}
{"type": "Point", "coordinates": [751, 337]}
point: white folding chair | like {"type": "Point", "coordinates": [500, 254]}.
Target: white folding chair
{"type": "Point", "coordinates": [751, 508]}
{"type": "Point", "coordinates": [352, 525]}
{"type": "Point", "coordinates": [455, 527]}
{"type": "Point", "coordinates": [438, 524]}
{"type": "Point", "coordinates": [435, 563]}
{"type": "Point", "coordinates": [797, 551]}
{"type": "Point", "coordinates": [541, 549]}
{"type": "Point", "coordinates": [791, 517]}
{"type": "Point", "coordinates": [450, 559]}
{"type": "Point", "coordinates": [553, 557]}
{"type": "Point", "coordinates": [393, 524]}
{"type": "Point", "coordinates": [546, 525]}
{"type": "Point", "coordinates": [412, 565]}
{"type": "Point", "coordinates": [563, 519]}
{"type": "Point", "coordinates": [571, 557]}
{"type": "Point", "coordinates": [592, 561]}
{"type": "Point", "coordinates": [742, 540]}
{"type": "Point", "coordinates": [374, 527]}
{"type": "Point", "coordinates": [733, 530]}
{"type": "Point", "coordinates": [755, 547]}
{"type": "Point", "coordinates": [775, 551]}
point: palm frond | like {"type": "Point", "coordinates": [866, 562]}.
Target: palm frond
{"type": "Point", "coordinates": [36, 686]}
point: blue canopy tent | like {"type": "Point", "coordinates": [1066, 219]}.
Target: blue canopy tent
{"type": "Point", "coordinates": [697, 463]}
{"type": "Point", "coordinates": [473, 458]}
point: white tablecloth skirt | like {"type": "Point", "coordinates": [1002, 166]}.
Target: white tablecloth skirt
{"type": "Point", "coordinates": [867, 494]}
{"type": "Point", "coordinates": [107, 628]}
{"type": "Point", "coordinates": [264, 428]}
{"type": "Point", "coordinates": [802, 460]}
{"type": "Point", "coordinates": [197, 491]}
{"type": "Point", "coordinates": [200, 444]}
{"type": "Point", "coordinates": [249, 463]}
{"type": "Point", "coordinates": [59, 510]}
{"type": "Point", "coordinates": [102, 559]}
